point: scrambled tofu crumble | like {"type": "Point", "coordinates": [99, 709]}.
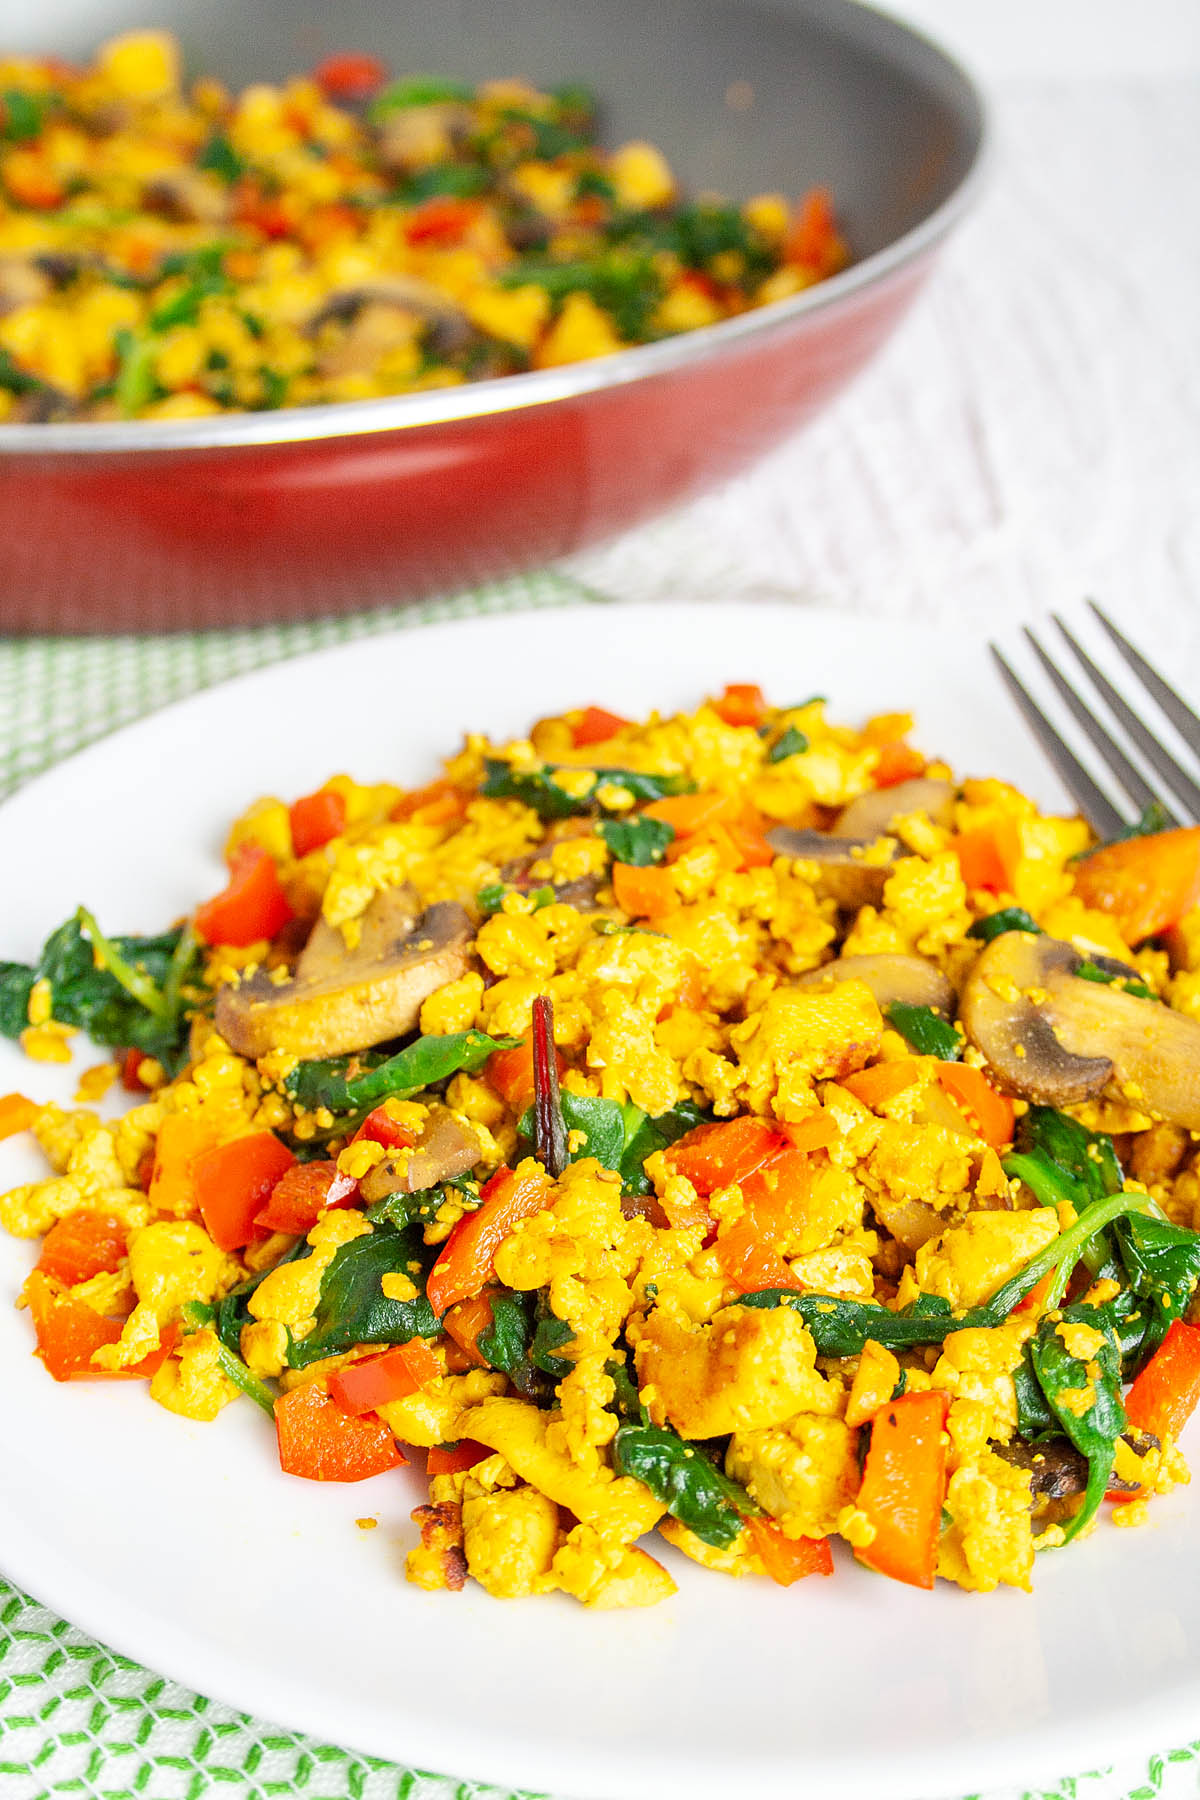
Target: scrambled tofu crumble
{"type": "Point", "coordinates": [733, 1125]}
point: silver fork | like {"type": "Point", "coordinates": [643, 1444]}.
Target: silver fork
{"type": "Point", "coordinates": [1105, 818]}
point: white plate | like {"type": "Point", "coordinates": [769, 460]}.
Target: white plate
{"type": "Point", "coordinates": [182, 1544]}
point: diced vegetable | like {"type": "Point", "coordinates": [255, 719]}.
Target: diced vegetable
{"type": "Point", "coordinates": [788, 1559]}
{"type": "Point", "coordinates": [252, 906]}
{"type": "Point", "coordinates": [883, 1081]}
{"type": "Point", "coordinates": [360, 1387]}
{"type": "Point", "coordinates": [182, 1139]}
{"type": "Point", "coordinates": [465, 1264]}
{"type": "Point", "coordinates": [991, 1113]}
{"type": "Point", "coordinates": [302, 1194]}
{"type": "Point", "coordinates": [750, 1262]}
{"type": "Point", "coordinates": [322, 1443]}
{"type": "Point", "coordinates": [687, 814]}
{"type": "Point", "coordinates": [465, 1322]}
{"type": "Point", "coordinates": [83, 1244]}
{"type": "Point", "coordinates": [350, 75]}
{"type": "Point", "coordinates": [595, 726]}
{"type": "Point", "coordinates": [989, 855]}
{"type": "Point", "coordinates": [644, 893]}
{"type": "Point", "coordinates": [316, 819]}
{"type": "Point", "coordinates": [904, 1486]}
{"type": "Point", "coordinates": [453, 1459]}
{"type": "Point", "coordinates": [69, 1331]}
{"type": "Point", "coordinates": [741, 704]}
{"type": "Point", "coordinates": [897, 762]}
{"type": "Point", "coordinates": [1166, 1393]}
{"type": "Point", "coordinates": [1145, 883]}
{"type": "Point", "coordinates": [16, 1114]}
{"type": "Point", "coordinates": [715, 1156]}
{"type": "Point", "coordinates": [233, 1184]}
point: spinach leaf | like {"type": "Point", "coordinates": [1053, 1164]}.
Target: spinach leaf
{"type": "Point", "coordinates": [418, 90]}
{"type": "Point", "coordinates": [1034, 1418]}
{"type": "Point", "coordinates": [522, 1340]}
{"type": "Point", "coordinates": [551, 1334]}
{"type": "Point", "coordinates": [626, 282]}
{"type": "Point", "coordinates": [22, 114]}
{"type": "Point", "coordinates": [220, 158]}
{"type": "Point", "coordinates": [637, 841]}
{"type": "Point", "coordinates": [1059, 1159]}
{"type": "Point", "coordinates": [690, 1486]}
{"type": "Point", "coordinates": [1162, 1265]}
{"type": "Point", "coordinates": [420, 1207]}
{"type": "Point", "coordinates": [490, 898]}
{"type": "Point", "coordinates": [350, 1084]}
{"type": "Point", "coordinates": [627, 1402]}
{"type": "Point", "coordinates": [789, 743]}
{"type": "Point", "coordinates": [539, 789]}
{"type": "Point", "coordinates": [16, 380]}
{"type": "Point", "coordinates": [353, 1309]}
{"type": "Point", "coordinates": [842, 1327]}
{"type": "Point", "coordinates": [505, 1342]}
{"type": "Point", "coordinates": [231, 1311]}
{"type": "Point", "coordinates": [604, 1122]}
{"type": "Point", "coordinates": [126, 992]}
{"type": "Point", "coordinates": [1150, 822]}
{"type": "Point", "coordinates": [927, 1032]}
{"type": "Point", "coordinates": [1009, 918]}
{"type": "Point", "coordinates": [136, 383]}
{"type": "Point", "coordinates": [458, 181]}
{"type": "Point", "coordinates": [1087, 1405]}
{"type": "Point", "coordinates": [199, 1317]}
{"type": "Point", "coordinates": [1128, 984]}
{"type": "Point", "coordinates": [643, 1136]}
{"type": "Point", "coordinates": [183, 308]}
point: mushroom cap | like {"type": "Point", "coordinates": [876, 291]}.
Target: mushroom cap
{"type": "Point", "coordinates": [873, 814]}
{"type": "Point", "coordinates": [341, 1000]}
{"type": "Point", "coordinates": [446, 1147]}
{"type": "Point", "coordinates": [1053, 1037]}
{"type": "Point", "coordinates": [890, 977]}
{"type": "Point", "coordinates": [853, 871]}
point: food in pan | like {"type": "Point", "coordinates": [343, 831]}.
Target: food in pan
{"type": "Point", "coordinates": [170, 251]}
{"type": "Point", "coordinates": [732, 1124]}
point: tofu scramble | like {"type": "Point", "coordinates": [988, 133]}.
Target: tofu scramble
{"type": "Point", "coordinates": [733, 1125]}
{"type": "Point", "coordinates": [171, 250]}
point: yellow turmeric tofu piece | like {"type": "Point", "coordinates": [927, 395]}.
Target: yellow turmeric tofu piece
{"type": "Point", "coordinates": [748, 1368]}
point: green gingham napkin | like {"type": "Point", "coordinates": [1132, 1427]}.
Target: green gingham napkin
{"type": "Point", "coordinates": [74, 1717]}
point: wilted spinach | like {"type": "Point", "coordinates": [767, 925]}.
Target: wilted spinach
{"type": "Point", "coordinates": [639, 842]}
{"type": "Point", "coordinates": [197, 1316]}
{"type": "Point", "coordinates": [522, 1341]}
{"type": "Point", "coordinates": [789, 743]}
{"type": "Point", "coordinates": [1084, 1396]}
{"type": "Point", "coordinates": [353, 1308]}
{"type": "Point", "coordinates": [539, 789]}
{"type": "Point", "coordinates": [927, 1032]}
{"type": "Point", "coordinates": [1009, 918]}
{"type": "Point", "coordinates": [643, 1136]}
{"type": "Point", "coordinates": [691, 1487]}
{"type": "Point", "coordinates": [353, 1084]}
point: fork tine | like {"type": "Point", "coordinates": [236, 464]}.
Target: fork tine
{"type": "Point", "coordinates": [1185, 721]}
{"type": "Point", "coordinates": [1177, 778]}
{"type": "Point", "coordinates": [1130, 778]}
{"type": "Point", "coordinates": [1099, 812]}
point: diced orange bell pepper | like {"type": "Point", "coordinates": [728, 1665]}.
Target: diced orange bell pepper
{"type": "Point", "coordinates": [252, 906]}
{"type": "Point", "coordinates": [777, 1193]}
{"type": "Point", "coordinates": [817, 1132]}
{"type": "Point", "coordinates": [882, 1081]}
{"type": "Point", "coordinates": [1146, 883]}
{"type": "Point", "coordinates": [69, 1331]}
{"type": "Point", "coordinates": [302, 1194]}
{"type": "Point", "coordinates": [787, 1559]}
{"type": "Point", "coordinates": [360, 1387]}
{"type": "Point", "coordinates": [897, 762]}
{"type": "Point", "coordinates": [322, 1443]}
{"type": "Point", "coordinates": [1166, 1393]}
{"type": "Point", "coordinates": [750, 1262]}
{"type": "Point", "coordinates": [16, 1114]}
{"type": "Point", "coordinates": [990, 855]}
{"type": "Point", "coordinates": [83, 1244]}
{"type": "Point", "coordinates": [904, 1487]}
{"type": "Point", "coordinates": [181, 1139]}
{"type": "Point", "coordinates": [813, 241]}
{"type": "Point", "coordinates": [742, 703]}
{"type": "Point", "coordinates": [511, 1074]}
{"type": "Point", "coordinates": [436, 804]}
{"type": "Point", "coordinates": [687, 814]}
{"type": "Point", "coordinates": [718, 1154]}
{"type": "Point", "coordinates": [464, 1323]}
{"type": "Point", "coordinates": [452, 1459]}
{"type": "Point", "coordinates": [32, 180]}
{"type": "Point", "coordinates": [644, 893]}
{"type": "Point", "coordinates": [129, 1063]}
{"type": "Point", "coordinates": [316, 818]}
{"type": "Point", "coordinates": [234, 1182]}
{"type": "Point", "coordinates": [382, 1127]}
{"type": "Point", "coordinates": [465, 1263]}
{"type": "Point", "coordinates": [442, 220]}
{"type": "Point", "coordinates": [991, 1113]}
{"type": "Point", "coordinates": [595, 725]}
{"type": "Point", "coordinates": [350, 75]}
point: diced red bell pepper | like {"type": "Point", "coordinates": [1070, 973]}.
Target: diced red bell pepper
{"type": "Point", "coordinates": [129, 1062]}
{"type": "Point", "coordinates": [316, 818]}
{"type": "Point", "coordinates": [69, 1331]}
{"type": "Point", "coordinates": [233, 1183]}
{"type": "Point", "coordinates": [381, 1127]}
{"type": "Point", "coordinates": [511, 1074]}
{"type": "Point", "coordinates": [742, 703]}
{"type": "Point", "coordinates": [302, 1194]}
{"type": "Point", "coordinates": [778, 1192]}
{"type": "Point", "coordinates": [322, 1443]}
{"type": "Point", "coordinates": [812, 241]}
{"type": "Point", "coordinates": [716, 1155]}
{"type": "Point", "coordinates": [441, 221]}
{"type": "Point", "coordinates": [361, 1387]}
{"type": "Point", "coordinates": [904, 1488]}
{"type": "Point", "coordinates": [595, 726]}
{"type": "Point", "coordinates": [452, 1459]}
{"type": "Point", "coordinates": [787, 1559]}
{"type": "Point", "coordinates": [83, 1244]}
{"type": "Point", "coordinates": [436, 804]}
{"type": "Point", "coordinates": [990, 855]}
{"type": "Point", "coordinates": [252, 906]}
{"type": "Point", "coordinates": [750, 1262]}
{"type": "Point", "coordinates": [1165, 1394]}
{"type": "Point", "coordinates": [897, 762]}
{"type": "Point", "coordinates": [350, 75]}
{"type": "Point", "coordinates": [991, 1113]}
{"type": "Point", "coordinates": [465, 1264]}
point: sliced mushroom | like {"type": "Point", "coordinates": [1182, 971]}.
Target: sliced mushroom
{"type": "Point", "coordinates": [1052, 1037]}
{"type": "Point", "coordinates": [385, 312]}
{"type": "Point", "coordinates": [187, 195]}
{"type": "Point", "coordinates": [911, 1222]}
{"type": "Point", "coordinates": [22, 283]}
{"type": "Point", "coordinates": [445, 1148]}
{"type": "Point", "coordinates": [873, 814]}
{"type": "Point", "coordinates": [1059, 1473]}
{"type": "Point", "coordinates": [847, 875]}
{"type": "Point", "coordinates": [906, 978]}
{"type": "Point", "coordinates": [416, 137]}
{"type": "Point", "coordinates": [351, 1000]}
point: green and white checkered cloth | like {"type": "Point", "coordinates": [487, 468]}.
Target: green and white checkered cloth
{"type": "Point", "coordinates": [74, 1717]}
